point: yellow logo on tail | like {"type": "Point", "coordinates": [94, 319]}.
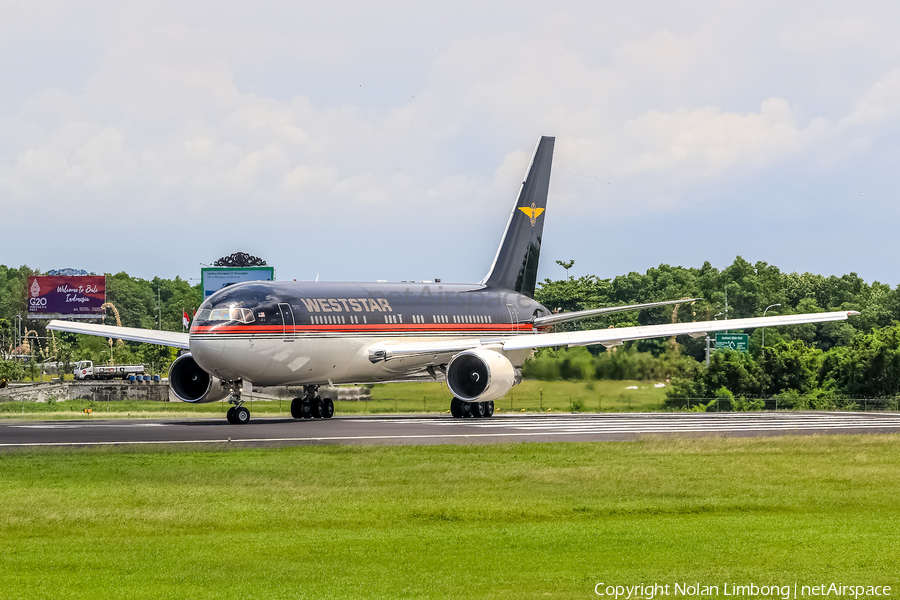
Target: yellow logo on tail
{"type": "Point", "coordinates": [532, 212]}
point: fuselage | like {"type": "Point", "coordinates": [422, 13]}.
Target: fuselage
{"type": "Point", "coordinates": [297, 333]}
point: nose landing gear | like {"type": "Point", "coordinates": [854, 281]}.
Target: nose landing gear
{"type": "Point", "coordinates": [237, 414]}
{"type": "Point", "coordinates": [311, 405]}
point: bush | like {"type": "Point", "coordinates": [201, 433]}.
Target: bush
{"type": "Point", "coordinates": [624, 363]}
{"type": "Point", "coordinates": [10, 370]}
{"type": "Point", "coordinates": [743, 404]}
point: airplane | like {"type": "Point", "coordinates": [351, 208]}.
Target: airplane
{"type": "Point", "coordinates": [475, 337]}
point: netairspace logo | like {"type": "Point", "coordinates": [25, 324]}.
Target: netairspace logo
{"type": "Point", "coordinates": [785, 592]}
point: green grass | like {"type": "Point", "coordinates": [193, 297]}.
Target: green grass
{"type": "Point", "coordinates": [529, 396]}
{"type": "Point", "coordinates": [532, 396]}
{"type": "Point", "coordinates": [505, 521]}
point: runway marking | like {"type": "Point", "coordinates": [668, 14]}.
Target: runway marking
{"type": "Point", "coordinates": [85, 425]}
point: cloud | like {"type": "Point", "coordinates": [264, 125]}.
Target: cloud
{"type": "Point", "coordinates": [370, 120]}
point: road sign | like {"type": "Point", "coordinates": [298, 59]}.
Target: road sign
{"type": "Point", "coordinates": [735, 341]}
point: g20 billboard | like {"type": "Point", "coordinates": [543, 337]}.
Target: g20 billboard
{"type": "Point", "coordinates": [67, 297]}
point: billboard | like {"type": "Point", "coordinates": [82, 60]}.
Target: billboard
{"type": "Point", "coordinates": [213, 279]}
{"type": "Point", "coordinates": [66, 297]}
{"type": "Point", "coordinates": [735, 341]}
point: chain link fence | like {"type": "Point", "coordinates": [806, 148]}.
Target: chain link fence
{"type": "Point", "coordinates": [751, 404]}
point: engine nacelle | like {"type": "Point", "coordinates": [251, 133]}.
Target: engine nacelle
{"type": "Point", "coordinates": [192, 384]}
{"type": "Point", "coordinates": [481, 375]}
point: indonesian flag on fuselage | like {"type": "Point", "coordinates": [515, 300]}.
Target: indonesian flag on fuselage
{"type": "Point", "coordinates": [185, 319]}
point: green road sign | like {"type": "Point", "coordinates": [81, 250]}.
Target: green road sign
{"type": "Point", "coordinates": [735, 341]}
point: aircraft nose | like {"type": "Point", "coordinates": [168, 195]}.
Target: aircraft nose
{"type": "Point", "coordinates": [207, 351]}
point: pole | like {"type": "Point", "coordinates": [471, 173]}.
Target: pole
{"type": "Point", "coordinates": [763, 389]}
{"type": "Point", "coordinates": [764, 329]}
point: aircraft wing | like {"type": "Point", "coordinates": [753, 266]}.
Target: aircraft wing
{"type": "Point", "coordinates": [595, 312]}
{"type": "Point", "coordinates": [606, 337]}
{"type": "Point", "coordinates": [132, 334]}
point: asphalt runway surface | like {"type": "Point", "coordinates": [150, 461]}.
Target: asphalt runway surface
{"type": "Point", "coordinates": [437, 429]}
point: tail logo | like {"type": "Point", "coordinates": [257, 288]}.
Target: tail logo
{"type": "Point", "coordinates": [532, 212]}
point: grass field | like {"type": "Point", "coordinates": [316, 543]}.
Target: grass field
{"type": "Point", "coordinates": [530, 396]}
{"type": "Point", "coordinates": [506, 521]}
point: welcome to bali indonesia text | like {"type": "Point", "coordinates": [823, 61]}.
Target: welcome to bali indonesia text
{"type": "Point", "coordinates": [786, 592]}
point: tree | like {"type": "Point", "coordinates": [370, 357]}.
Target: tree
{"type": "Point", "coordinates": [735, 371]}
{"type": "Point", "coordinates": [791, 365]}
{"type": "Point", "coordinates": [869, 367]}
{"type": "Point", "coordinates": [157, 357]}
{"type": "Point", "coordinates": [568, 264]}
{"type": "Point", "coordinates": [10, 370]}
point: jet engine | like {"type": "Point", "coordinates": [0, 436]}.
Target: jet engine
{"type": "Point", "coordinates": [481, 375]}
{"type": "Point", "coordinates": [190, 383]}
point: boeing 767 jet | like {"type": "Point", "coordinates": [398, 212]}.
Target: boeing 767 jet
{"type": "Point", "coordinates": [474, 336]}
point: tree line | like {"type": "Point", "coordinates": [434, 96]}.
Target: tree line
{"type": "Point", "coordinates": [807, 365]}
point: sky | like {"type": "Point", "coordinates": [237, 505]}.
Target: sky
{"type": "Point", "coordinates": [369, 141]}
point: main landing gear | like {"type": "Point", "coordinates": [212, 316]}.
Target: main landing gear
{"type": "Point", "coordinates": [237, 414]}
{"type": "Point", "coordinates": [311, 406]}
{"type": "Point", "coordinates": [461, 408]}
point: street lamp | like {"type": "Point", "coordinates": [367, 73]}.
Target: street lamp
{"type": "Point", "coordinates": [764, 329]}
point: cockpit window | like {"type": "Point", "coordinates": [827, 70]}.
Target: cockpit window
{"type": "Point", "coordinates": [241, 315]}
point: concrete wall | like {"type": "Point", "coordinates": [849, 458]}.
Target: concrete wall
{"type": "Point", "coordinates": [100, 391]}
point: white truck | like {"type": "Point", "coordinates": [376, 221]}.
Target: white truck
{"type": "Point", "coordinates": [86, 369]}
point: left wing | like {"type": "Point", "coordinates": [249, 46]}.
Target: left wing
{"type": "Point", "coordinates": [384, 351]}
{"type": "Point", "coordinates": [594, 312]}
{"type": "Point", "coordinates": [132, 334]}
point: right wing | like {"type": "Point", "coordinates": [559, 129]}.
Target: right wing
{"type": "Point", "coordinates": [132, 334]}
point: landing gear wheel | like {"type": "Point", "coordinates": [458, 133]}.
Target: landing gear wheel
{"type": "Point", "coordinates": [466, 409]}
{"type": "Point", "coordinates": [489, 409]}
{"type": "Point", "coordinates": [241, 415]}
{"type": "Point", "coordinates": [297, 408]}
{"type": "Point", "coordinates": [456, 408]}
{"type": "Point", "coordinates": [305, 409]}
{"type": "Point", "coordinates": [230, 416]}
{"type": "Point", "coordinates": [476, 409]}
{"type": "Point", "coordinates": [329, 408]}
{"type": "Point", "coordinates": [317, 407]}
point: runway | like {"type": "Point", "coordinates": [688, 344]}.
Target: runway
{"type": "Point", "coordinates": [437, 429]}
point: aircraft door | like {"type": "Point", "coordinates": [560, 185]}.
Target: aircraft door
{"type": "Point", "coordinates": [287, 321]}
{"type": "Point", "coordinates": [513, 316]}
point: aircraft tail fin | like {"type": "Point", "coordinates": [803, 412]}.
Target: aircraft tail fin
{"type": "Point", "coordinates": [516, 263]}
